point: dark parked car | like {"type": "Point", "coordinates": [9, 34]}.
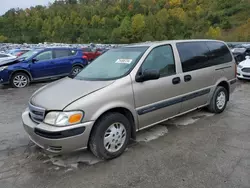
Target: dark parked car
{"type": "Point", "coordinates": [42, 64]}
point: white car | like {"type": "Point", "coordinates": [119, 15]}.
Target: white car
{"type": "Point", "coordinates": [243, 69]}
{"type": "Point", "coordinates": [4, 57]}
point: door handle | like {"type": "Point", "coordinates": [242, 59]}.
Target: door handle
{"type": "Point", "coordinates": [187, 78]}
{"type": "Point", "coordinates": [176, 80]}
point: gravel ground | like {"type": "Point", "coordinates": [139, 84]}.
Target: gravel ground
{"type": "Point", "coordinates": [196, 150]}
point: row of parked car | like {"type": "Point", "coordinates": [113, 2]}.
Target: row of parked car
{"type": "Point", "coordinates": [240, 52]}
{"type": "Point", "coordinates": [19, 67]}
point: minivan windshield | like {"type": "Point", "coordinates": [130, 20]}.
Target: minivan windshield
{"type": "Point", "coordinates": [113, 64]}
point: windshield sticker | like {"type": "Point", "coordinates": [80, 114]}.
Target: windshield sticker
{"type": "Point", "coordinates": [124, 61]}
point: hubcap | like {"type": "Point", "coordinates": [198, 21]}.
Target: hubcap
{"type": "Point", "coordinates": [114, 137]}
{"type": "Point", "coordinates": [221, 100]}
{"type": "Point", "coordinates": [76, 71]}
{"type": "Point", "coordinates": [20, 81]}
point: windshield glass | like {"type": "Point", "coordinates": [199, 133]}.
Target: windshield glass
{"type": "Point", "coordinates": [113, 64]}
{"type": "Point", "coordinates": [28, 55]}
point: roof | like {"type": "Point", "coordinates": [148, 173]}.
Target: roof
{"type": "Point", "coordinates": [149, 43]}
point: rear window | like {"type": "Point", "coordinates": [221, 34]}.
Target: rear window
{"type": "Point", "coordinates": [198, 55]}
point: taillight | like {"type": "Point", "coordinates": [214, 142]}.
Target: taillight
{"type": "Point", "coordinates": [85, 57]}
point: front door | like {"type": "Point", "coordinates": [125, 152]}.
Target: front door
{"type": "Point", "coordinates": [157, 100]}
{"type": "Point", "coordinates": [42, 66]}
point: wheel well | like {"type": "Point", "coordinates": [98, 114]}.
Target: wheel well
{"type": "Point", "coordinates": [226, 86]}
{"type": "Point", "coordinates": [127, 114]}
{"type": "Point", "coordinates": [78, 65]}
{"type": "Point", "coordinates": [21, 71]}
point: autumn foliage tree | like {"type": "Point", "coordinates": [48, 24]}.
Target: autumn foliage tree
{"type": "Point", "coordinates": [127, 21]}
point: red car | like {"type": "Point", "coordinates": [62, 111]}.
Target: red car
{"type": "Point", "coordinates": [90, 53]}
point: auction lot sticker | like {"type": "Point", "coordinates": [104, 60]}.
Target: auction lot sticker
{"type": "Point", "coordinates": [124, 61]}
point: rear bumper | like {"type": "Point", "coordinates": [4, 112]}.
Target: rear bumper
{"type": "Point", "coordinates": [57, 139]}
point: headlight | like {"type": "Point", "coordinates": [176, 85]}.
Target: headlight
{"type": "Point", "coordinates": [63, 118]}
{"type": "Point", "coordinates": [2, 68]}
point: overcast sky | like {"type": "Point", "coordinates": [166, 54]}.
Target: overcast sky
{"type": "Point", "coordinates": [5, 5]}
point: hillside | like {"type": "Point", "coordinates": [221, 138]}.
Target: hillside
{"type": "Point", "coordinates": [125, 21]}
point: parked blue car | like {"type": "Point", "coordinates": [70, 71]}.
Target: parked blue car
{"type": "Point", "coordinates": [42, 64]}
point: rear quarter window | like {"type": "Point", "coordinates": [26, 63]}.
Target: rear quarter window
{"type": "Point", "coordinates": [219, 53]}
{"type": "Point", "coordinates": [61, 53]}
{"type": "Point", "coordinates": [198, 55]}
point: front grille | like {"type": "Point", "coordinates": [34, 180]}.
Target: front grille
{"type": "Point", "coordinates": [37, 114]}
{"type": "Point", "coordinates": [245, 70]}
{"type": "Point", "coordinates": [247, 76]}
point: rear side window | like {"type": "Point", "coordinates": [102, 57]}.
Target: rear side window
{"type": "Point", "coordinates": [194, 55]}
{"type": "Point", "coordinates": [61, 53]}
{"type": "Point", "coordinates": [219, 53]}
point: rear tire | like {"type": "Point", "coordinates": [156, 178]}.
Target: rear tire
{"type": "Point", "coordinates": [75, 70]}
{"type": "Point", "coordinates": [219, 100]}
{"type": "Point", "coordinates": [20, 80]}
{"type": "Point", "coordinates": [110, 136]}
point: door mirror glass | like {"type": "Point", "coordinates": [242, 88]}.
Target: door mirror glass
{"type": "Point", "coordinates": [148, 75]}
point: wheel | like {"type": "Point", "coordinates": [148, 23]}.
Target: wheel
{"type": "Point", "coordinates": [76, 70]}
{"type": "Point", "coordinates": [20, 80]}
{"type": "Point", "coordinates": [218, 102]}
{"type": "Point", "coordinates": [110, 136]}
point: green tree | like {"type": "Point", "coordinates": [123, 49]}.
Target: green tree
{"type": "Point", "coordinates": [214, 33]}
{"type": "Point", "coordinates": [138, 27]}
{"type": "Point", "coordinates": [3, 38]}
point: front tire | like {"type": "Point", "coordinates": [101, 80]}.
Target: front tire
{"type": "Point", "coordinates": [219, 100]}
{"type": "Point", "coordinates": [110, 136]}
{"type": "Point", "coordinates": [20, 80]}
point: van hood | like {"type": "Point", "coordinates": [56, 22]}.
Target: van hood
{"type": "Point", "coordinates": [59, 94]}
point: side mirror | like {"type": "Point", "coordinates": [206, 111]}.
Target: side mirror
{"type": "Point", "coordinates": [34, 60]}
{"type": "Point", "coordinates": [148, 75]}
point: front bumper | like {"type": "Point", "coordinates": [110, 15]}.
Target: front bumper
{"type": "Point", "coordinates": [57, 139]}
{"type": "Point", "coordinates": [242, 75]}
{"type": "Point", "coordinates": [4, 77]}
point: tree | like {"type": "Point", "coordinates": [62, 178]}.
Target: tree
{"type": "Point", "coordinates": [214, 33]}
{"type": "Point", "coordinates": [3, 38]}
{"type": "Point", "coordinates": [138, 27]}
{"type": "Point", "coordinates": [125, 21]}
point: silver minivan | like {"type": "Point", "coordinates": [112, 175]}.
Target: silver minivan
{"type": "Point", "coordinates": [128, 89]}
